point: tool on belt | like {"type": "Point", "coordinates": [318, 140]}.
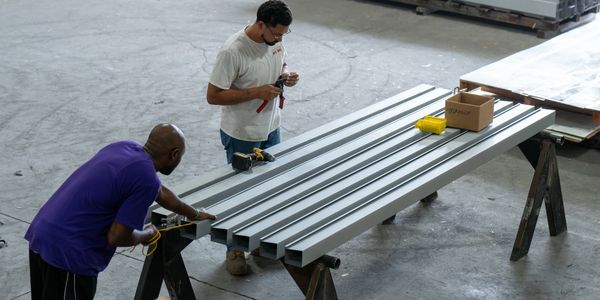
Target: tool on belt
{"type": "Point", "coordinates": [279, 84]}
{"type": "Point", "coordinates": [244, 162]}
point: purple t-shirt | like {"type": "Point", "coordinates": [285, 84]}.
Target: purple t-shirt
{"type": "Point", "coordinates": [70, 231]}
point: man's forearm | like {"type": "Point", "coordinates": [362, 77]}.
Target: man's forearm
{"type": "Point", "coordinates": [170, 201]}
{"type": "Point", "coordinates": [232, 96]}
{"type": "Point", "coordinates": [122, 236]}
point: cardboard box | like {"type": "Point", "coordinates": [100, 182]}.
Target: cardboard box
{"type": "Point", "coordinates": [469, 111]}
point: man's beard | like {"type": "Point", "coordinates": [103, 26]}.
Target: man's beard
{"type": "Point", "coordinates": [268, 43]}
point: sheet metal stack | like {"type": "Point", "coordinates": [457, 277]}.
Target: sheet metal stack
{"type": "Point", "coordinates": [332, 183]}
{"type": "Point", "coordinates": [553, 9]}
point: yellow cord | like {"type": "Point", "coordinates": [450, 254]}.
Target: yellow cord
{"type": "Point", "coordinates": [153, 242]}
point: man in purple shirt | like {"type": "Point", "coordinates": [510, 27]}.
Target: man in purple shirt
{"type": "Point", "coordinates": [101, 206]}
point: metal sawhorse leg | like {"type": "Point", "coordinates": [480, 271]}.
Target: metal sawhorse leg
{"type": "Point", "coordinates": [166, 264]}
{"type": "Point", "coordinates": [315, 279]}
{"type": "Point", "coordinates": [545, 187]}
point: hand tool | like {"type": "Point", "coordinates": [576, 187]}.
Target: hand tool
{"type": "Point", "coordinates": [244, 162]}
{"type": "Point", "coordinates": [279, 84]}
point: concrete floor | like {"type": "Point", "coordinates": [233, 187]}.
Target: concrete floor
{"type": "Point", "coordinates": [76, 75]}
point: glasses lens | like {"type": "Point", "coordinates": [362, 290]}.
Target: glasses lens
{"type": "Point", "coordinates": [278, 35]}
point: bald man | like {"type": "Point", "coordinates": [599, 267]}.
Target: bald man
{"type": "Point", "coordinates": [101, 206]}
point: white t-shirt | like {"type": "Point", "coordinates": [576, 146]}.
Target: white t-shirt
{"type": "Point", "coordinates": [243, 63]}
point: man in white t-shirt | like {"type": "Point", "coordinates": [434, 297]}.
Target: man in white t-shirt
{"type": "Point", "coordinates": [243, 83]}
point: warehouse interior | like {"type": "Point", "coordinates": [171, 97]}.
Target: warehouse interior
{"type": "Point", "coordinates": [76, 76]}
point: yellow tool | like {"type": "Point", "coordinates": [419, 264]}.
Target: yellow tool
{"type": "Point", "coordinates": [244, 162]}
{"type": "Point", "coordinates": [431, 124]}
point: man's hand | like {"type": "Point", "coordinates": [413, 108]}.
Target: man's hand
{"type": "Point", "coordinates": [148, 234]}
{"type": "Point", "coordinates": [167, 199]}
{"type": "Point", "coordinates": [291, 78]}
{"type": "Point", "coordinates": [120, 235]}
{"type": "Point", "coordinates": [201, 215]}
{"type": "Point", "coordinates": [268, 92]}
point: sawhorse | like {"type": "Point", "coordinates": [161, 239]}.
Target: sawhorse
{"type": "Point", "coordinates": [314, 279]}
{"type": "Point", "coordinates": [166, 263]}
{"type": "Point", "coordinates": [540, 151]}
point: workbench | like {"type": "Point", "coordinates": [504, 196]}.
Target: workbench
{"type": "Point", "coordinates": [334, 182]}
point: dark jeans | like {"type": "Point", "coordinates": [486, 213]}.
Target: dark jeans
{"type": "Point", "coordinates": [233, 145]}
{"type": "Point", "coordinates": [49, 282]}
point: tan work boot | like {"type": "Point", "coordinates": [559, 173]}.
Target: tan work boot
{"type": "Point", "coordinates": [236, 262]}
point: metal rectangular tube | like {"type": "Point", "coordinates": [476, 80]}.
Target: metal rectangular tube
{"type": "Point", "coordinates": [236, 184]}
{"type": "Point", "coordinates": [304, 139]}
{"type": "Point", "coordinates": [192, 186]}
{"type": "Point", "coordinates": [247, 237]}
{"type": "Point", "coordinates": [316, 199]}
{"type": "Point", "coordinates": [304, 250]}
{"type": "Point", "coordinates": [420, 163]}
{"type": "Point", "coordinates": [309, 176]}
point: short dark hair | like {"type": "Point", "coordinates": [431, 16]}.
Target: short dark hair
{"type": "Point", "coordinates": [274, 12]}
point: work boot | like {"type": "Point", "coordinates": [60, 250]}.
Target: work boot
{"type": "Point", "coordinates": [236, 262]}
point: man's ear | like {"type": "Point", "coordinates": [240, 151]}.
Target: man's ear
{"type": "Point", "coordinates": [175, 153]}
